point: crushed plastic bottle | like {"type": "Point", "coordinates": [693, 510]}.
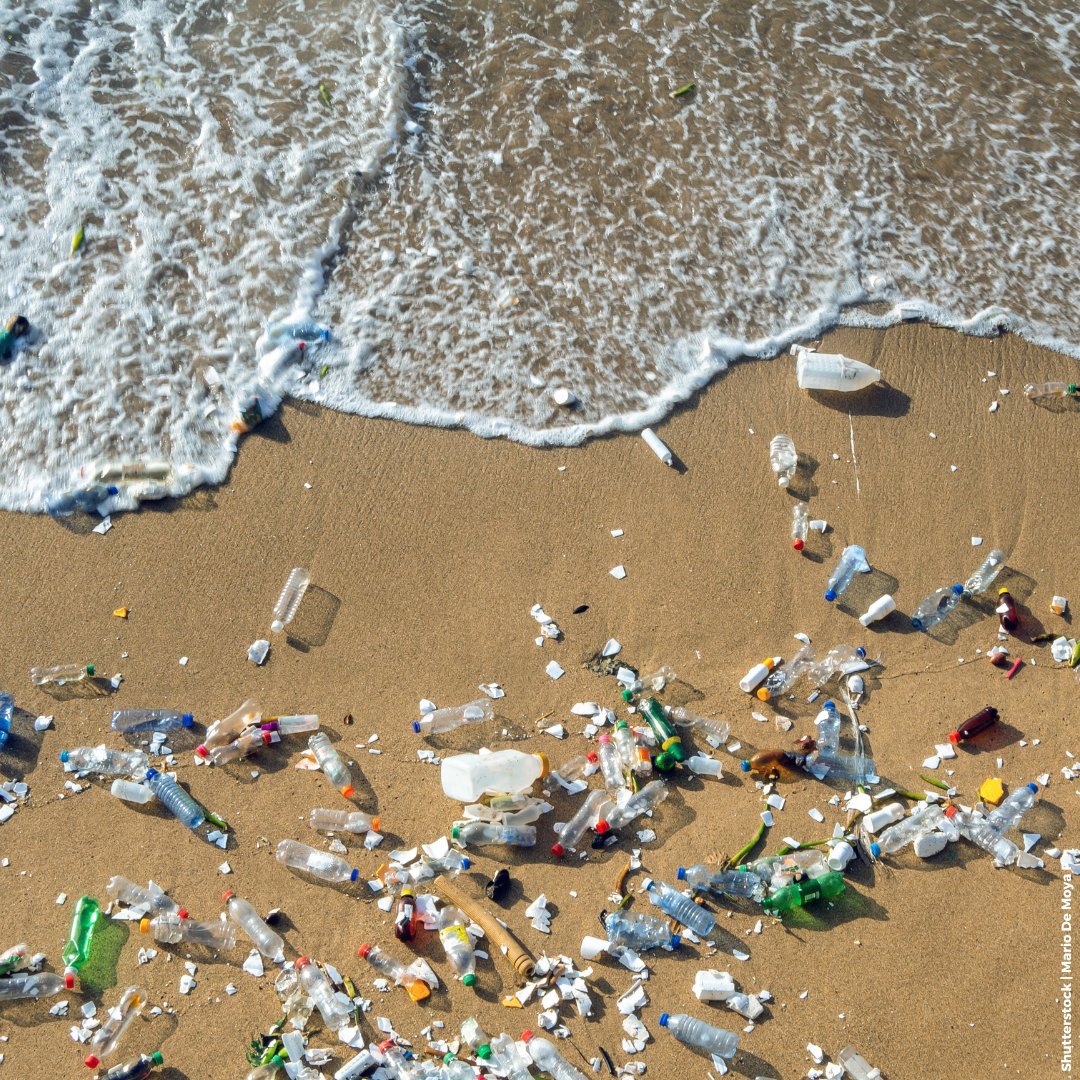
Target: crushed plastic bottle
{"type": "Point", "coordinates": [393, 969]}
{"type": "Point", "coordinates": [175, 799]}
{"type": "Point", "coordinates": [844, 659]}
{"type": "Point", "coordinates": [320, 864]}
{"type": "Point", "coordinates": [465, 777]}
{"type": "Point", "coordinates": [548, 1059]}
{"type": "Point", "coordinates": [243, 913]}
{"type": "Point", "coordinates": [335, 1012]}
{"type": "Point", "coordinates": [84, 922]}
{"type": "Point", "coordinates": [1039, 391]}
{"type": "Point", "coordinates": [223, 731]}
{"type": "Point", "coordinates": [342, 821]}
{"type": "Point", "coordinates": [639, 931]}
{"type": "Point", "coordinates": [1013, 807]}
{"type": "Point", "coordinates": [783, 459]}
{"type": "Point", "coordinates": [855, 1066]}
{"type": "Point", "coordinates": [936, 607]}
{"type": "Point", "coordinates": [833, 371]}
{"type": "Point", "coordinates": [457, 944]}
{"type": "Point", "coordinates": [106, 1039]}
{"type": "Point", "coordinates": [442, 720]}
{"type": "Point", "coordinates": [974, 827]}
{"type": "Point", "coordinates": [61, 674]}
{"type": "Point", "coordinates": [731, 882]}
{"type": "Point", "coordinates": [22, 985]}
{"type": "Point", "coordinates": [510, 1057]}
{"type": "Point", "coordinates": [781, 679]}
{"type": "Point", "coordinates": [852, 561]}
{"type": "Point", "coordinates": [455, 1069]}
{"type": "Point", "coordinates": [136, 721]}
{"type": "Point", "coordinates": [334, 769]}
{"type": "Point", "coordinates": [399, 1063]}
{"type": "Point", "coordinates": [800, 522]}
{"type": "Point", "coordinates": [251, 741]}
{"type": "Point", "coordinates": [983, 719]}
{"type": "Point", "coordinates": [715, 728]}
{"type": "Point", "coordinates": [577, 768]}
{"type": "Point", "coordinates": [699, 1034]}
{"type": "Point", "coordinates": [170, 928]}
{"type": "Point", "coordinates": [482, 833]}
{"type": "Point", "coordinates": [800, 893]}
{"type": "Point", "coordinates": [611, 765]}
{"type": "Point", "coordinates": [292, 593]}
{"type": "Point", "coordinates": [135, 1070]}
{"type": "Point", "coordinates": [151, 899]}
{"type": "Point", "coordinates": [586, 816]}
{"type": "Point", "coordinates": [983, 577]}
{"type": "Point", "coordinates": [681, 908]}
{"type": "Point", "coordinates": [648, 798]}
{"type": "Point", "coordinates": [100, 759]}
{"type": "Point", "coordinates": [927, 819]}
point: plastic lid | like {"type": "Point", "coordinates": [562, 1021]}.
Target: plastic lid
{"type": "Point", "coordinates": [830, 596]}
{"type": "Point", "coordinates": [468, 980]}
{"type": "Point", "coordinates": [64, 756]}
{"type": "Point", "coordinates": [628, 695]}
{"type": "Point", "coordinates": [363, 951]}
{"type": "Point", "coordinates": [592, 757]}
{"type": "Point", "coordinates": [527, 1035]}
{"type": "Point", "coordinates": [830, 704]}
{"type": "Point", "coordinates": [958, 589]}
{"type": "Point", "coordinates": [466, 862]}
{"type": "Point", "coordinates": [416, 726]}
{"type": "Point", "coordinates": [676, 940]}
{"type": "Point", "coordinates": [546, 764]}
{"type": "Point", "coordinates": [602, 828]}
{"type": "Point", "coordinates": [622, 724]}
{"type": "Point", "coordinates": [187, 720]}
{"type": "Point", "coordinates": [680, 874]}
{"type": "Point", "coordinates": [604, 739]}
{"type": "Point", "coordinates": [348, 791]}
{"type": "Point", "coordinates": [448, 1057]}
{"type": "Point", "coordinates": [799, 545]}
{"type": "Point", "coordinates": [875, 849]}
{"type": "Point", "coordinates": [385, 1045]}
{"type": "Point", "coordinates": [762, 693]}
{"type": "Point", "coordinates": [954, 737]}
{"type": "Point", "coordinates": [647, 883]}
{"type": "Point", "coordinates": [558, 850]}
{"type": "Point", "coordinates": [950, 812]}
{"type": "Point", "coordinates": [483, 1052]}
{"type": "Point", "coordinates": [69, 978]}
{"type": "Point", "coordinates": [665, 762]}
{"type": "Point", "coordinates": [226, 897]}
{"type": "Point", "coordinates": [861, 652]}
{"type": "Point", "coordinates": [151, 773]}
{"type": "Point", "coordinates": [375, 822]}
{"type": "Point", "coordinates": [202, 751]}
{"type": "Point", "coordinates": [157, 1059]}
{"type": "Point", "coordinates": [302, 961]}
{"type": "Point", "coordinates": [744, 766]}
{"type": "Point", "coordinates": [455, 832]}
{"type": "Point", "coordinates": [144, 926]}
{"type": "Point", "coordinates": [1003, 592]}
{"type": "Point", "coordinates": [92, 1061]}
{"type": "Point", "coordinates": [354, 875]}
{"type": "Point", "coordinates": [663, 1019]}
{"type": "Point", "coordinates": [183, 913]}
{"type": "Point", "coordinates": [90, 667]}
{"type": "Point", "coordinates": [1033, 788]}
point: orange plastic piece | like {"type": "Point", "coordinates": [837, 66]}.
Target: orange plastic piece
{"type": "Point", "coordinates": [121, 612]}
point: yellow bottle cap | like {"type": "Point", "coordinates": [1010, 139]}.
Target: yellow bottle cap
{"type": "Point", "coordinates": [144, 926]}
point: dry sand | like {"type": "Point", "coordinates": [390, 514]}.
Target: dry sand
{"type": "Point", "coordinates": [428, 548]}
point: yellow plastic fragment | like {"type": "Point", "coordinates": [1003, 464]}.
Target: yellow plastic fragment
{"type": "Point", "coordinates": [512, 1002]}
{"type": "Point", "coordinates": [121, 612]}
{"type": "Point", "coordinates": [992, 791]}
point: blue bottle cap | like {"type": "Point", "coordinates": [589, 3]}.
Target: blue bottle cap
{"type": "Point", "coordinates": [917, 624]}
{"type": "Point", "coordinates": [64, 756]}
{"type": "Point", "coordinates": [151, 773]}
{"type": "Point", "coordinates": [681, 873]}
{"type": "Point", "coordinates": [830, 705]}
{"type": "Point", "coordinates": [466, 862]}
{"type": "Point", "coordinates": [187, 720]}
{"type": "Point", "coordinates": [958, 589]}
{"type": "Point", "coordinates": [830, 595]}
{"type": "Point", "coordinates": [416, 726]}
{"type": "Point", "coordinates": [875, 849]}
{"type": "Point", "coordinates": [744, 765]}
{"type": "Point", "coordinates": [860, 652]}
{"type": "Point", "coordinates": [112, 489]}
{"type": "Point", "coordinates": [663, 1019]}
{"type": "Point", "coordinates": [1033, 788]}
{"type": "Point", "coordinates": [355, 874]}
{"type": "Point", "coordinates": [676, 940]}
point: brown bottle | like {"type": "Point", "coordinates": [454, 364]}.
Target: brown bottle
{"type": "Point", "coordinates": [1007, 611]}
{"type": "Point", "coordinates": [776, 764]}
{"type": "Point", "coordinates": [983, 719]}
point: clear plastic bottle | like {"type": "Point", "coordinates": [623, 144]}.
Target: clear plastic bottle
{"type": "Point", "coordinates": [732, 882]}
{"type": "Point", "coordinates": [852, 561]}
{"type": "Point", "coordinates": [840, 658]}
{"type": "Point", "coordinates": [856, 1067]}
{"type": "Point", "coordinates": [393, 969]}
{"type": "Point", "coordinates": [443, 720]}
{"type": "Point", "coordinates": [625, 744]}
{"type": "Point", "coordinates": [548, 1059]}
{"type": "Point", "coordinates": [648, 798]}
{"type": "Point", "coordinates": [681, 716]}
{"type": "Point", "coordinates": [1035, 391]}
{"type": "Point", "coordinates": [783, 459]}
{"type": "Point", "coordinates": [397, 1063]}
{"type": "Point", "coordinates": [509, 1057]}
{"type": "Point", "coordinates": [251, 922]}
{"type": "Point", "coordinates": [476, 1038]}
{"type": "Point", "coordinates": [249, 742]}
{"type": "Point", "coordinates": [611, 765]}
{"type": "Point", "coordinates": [7, 712]}
{"type": "Point", "coordinates": [577, 768]}
{"type": "Point", "coordinates": [106, 1039]}
{"type": "Point", "coordinates": [481, 833]}
{"type": "Point", "coordinates": [455, 1069]}
{"type": "Point", "coordinates": [354, 821]}
{"type": "Point", "coordinates": [136, 721]}
{"type": "Point", "coordinates": [800, 523]}
{"type": "Point", "coordinates": [828, 723]}
{"type": "Point", "coordinates": [334, 769]}
{"type": "Point", "coordinates": [681, 908]}
{"type": "Point", "coordinates": [456, 943]}
{"type": "Point", "coordinates": [974, 827]}
{"type": "Point", "coordinates": [855, 768]}
{"type": "Point", "coordinates": [781, 679]}
{"type": "Point", "coordinates": [175, 799]}
{"type": "Point", "coordinates": [297, 724]}
{"type": "Point", "coordinates": [702, 1036]}
{"type": "Point", "coordinates": [639, 931]}
{"type": "Point", "coordinates": [320, 864]}
{"type": "Point", "coordinates": [152, 899]}
{"type": "Point", "coordinates": [170, 928]}
{"type": "Point", "coordinates": [131, 792]}
{"type": "Point", "coordinates": [22, 984]}
{"type": "Point", "coordinates": [100, 759]}
{"type": "Point", "coordinates": [291, 594]}
{"type": "Point", "coordinates": [983, 577]}
{"type": "Point", "coordinates": [335, 1012]}
{"type": "Point", "coordinates": [1013, 807]}
{"type": "Point", "coordinates": [225, 730]}
{"type": "Point", "coordinates": [833, 371]}
{"type": "Point", "coordinates": [61, 674]}
{"type": "Point", "coordinates": [936, 607]}
{"type": "Point", "coordinates": [135, 1070]}
{"type": "Point", "coordinates": [928, 818]}
{"type": "Point", "coordinates": [466, 777]}
{"type": "Point", "coordinates": [586, 816]}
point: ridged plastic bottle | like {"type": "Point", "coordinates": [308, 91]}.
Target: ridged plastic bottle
{"type": "Point", "coordinates": [289, 600]}
{"type": "Point", "coordinates": [119, 888]}
{"type": "Point", "coordinates": [639, 931]}
{"type": "Point", "coordinates": [61, 674]}
{"type": "Point", "coordinates": [681, 908]}
{"type": "Point", "coordinates": [229, 727]}
{"type": "Point", "coordinates": [100, 759]}
{"type": "Point", "coordinates": [783, 459]}
{"type": "Point", "coordinates": [251, 922]}
{"type": "Point", "coordinates": [481, 833]}
{"type": "Point", "coordinates": [702, 1036]}
{"type": "Point", "coordinates": [136, 721]}
{"type": "Point", "coordinates": [1035, 391]}
{"type": "Point", "coordinates": [249, 742]}
{"type": "Point", "coordinates": [334, 769]}
{"type": "Point", "coordinates": [548, 1059]}
{"type": "Point", "coordinates": [936, 607]}
{"type": "Point", "coordinates": [175, 799]}
{"type": "Point", "coordinates": [611, 765]}
{"type": "Point", "coordinates": [170, 928]}
{"type": "Point", "coordinates": [800, 523]}
{"type": "Point", "coordinates": [320, 864]}
{"type": "Point", "coordinates": [335, 1012]}
{"type": "Point", "coordinates": [680, 715]}
{"type": "Point", "coordinates": [84, 923]}
{"type": "Point", "coordinates": [1013, 807]}
{"type": "Point", "coordinates": [983, 577]}
{"type": "Point", "coordinates": [342, 821]}
{"type": "Point", "coordinates": [457, 945]}
{"type": "Point", "coordinates": [852, 561]}
{"type": "Point", "coordinates": [732, 882]}
{"type": "Point", "coordinates": [393, 969]}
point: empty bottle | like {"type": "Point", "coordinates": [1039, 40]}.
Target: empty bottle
{"type": "Point", "coordinates": [466, 777]}
{"type": "Point", "coordinates": [702, 1036]}
{"type": "Point", "coordinates": [296, 725]}
{"type": "Point", "coordinates": [106, 1039]}
{"type": "Point", "coordinates": [800, 893]}
{"type": "Point", "coordinates": [22, 985]}
{"type": "Point", "coordinates": [335, 770]}
{"type": "Point", "coordinates": [882, 607]}
{"type": "Point", "coordinates": [251, 922]}
{"type": "Point", "coordinates": [758, 673]}
{"type": "Point", "coordinates": [172, 927]}
{"type": "Point", "coordinates": [548, 1059]}
{"type": "Point", "coordinates": [852, 562]}
{"type": "Point", "coordinates": [856, 768]}
{"type": "Point", "coordinates": [455, 1069]}
{"type": "Point", "coordinates": [936, 607]}
{"type": "Point", "coordinates": [354, 821]}
{"type": "Point", "coordinates": [681, 908]}
{"type": "Point", "coordinates": [611, 765]}
{"type": "Point", "coordinates": [136, 721]}
{"type": "Point", "coordinates": [84, 921]}
{"type": "Point", "coordinates": [832, 371]}
{"type": "Point", "coordinates": [394, 969]}
{"type": "Point", "coordinates": [639, 931]}
{"type": "Point", "coordinates": [101, 759]}
{"type": "Point", "coordinates": [783, 459]}
{"type": "Point", "coordinates": [672, 751]}
{"type": "Point", "coordinates": [85, 499]}
{"type": "Point", "coordinates": [249, 742]}
{"type": "Point", "coordinates": [1013, 807]}
{"type": "Point", "coordinates": [152, 898]}
{"type": "Point", "coordinates": [732, 882]}
{"type": "Point", "coordinates": [131, 792]}
{"type": "Point", "coordinates": [175, 799]}
{"type": "Point", "coordinates": [443, 720]}
{"type": "Point", "coordinates": [828, 723]}
{"type": "Point", "coordinates": [1036, 391]}
{"type": "Point", "coordinates": [648, 798]}
{"type": "Point", "coordinates": [800, 521]}
{"type": "Point", "coordinates": [7, 711]}
{"type": "Point", "coordinates": [927, 818]}
{"type": "Point", "coordinates": [780, 680]}
{"type": "Point", "coordinates": [586, 816]}
{"type": "Point", "coordinates": [1006, 611]}
{"type": "Point", "coordinates": [974, 827]}
{"type": "Point", "coordinates": [223, 731]}
{"type": "Point", "coordinates": [983, 577]}
{"type": "Point", "coordinates": [712, 726]}
{"type": "Point", "coordinates": [626, 744]}
{"type": "Point", "coordinates": [320, 864]}
{"type": "Point", "coordinates": [577, 768]}
{"type": "Point", "coordinates": [335, 1012]}
{"type": "Point", "coordinates": [657, 446]}
{"type": "Point", "coordinates": [481, 833]}
{"type": "Point", "coordinates": [856, 1067]}
{"type": "Point", "coordinates": [776, 764]}
{"type": "Point", "coordinates": [841, 658]}
{"type": "Point", "coordinates": [405, 915]}
{"type": "Point", "coordinates": [135, 1070]}
{"type": "Point", "coordinates": [61, 674]}
{"type": "Point", "coordinates": [982, 720]}
{"type": "Point", "coordinates": [353, 1069]}
{"type": "Point", "coordinates": [509, 1057]}
{"type": "Point", "coordinates": [457, 945]}
{"type": "Point", "coordinates": [295, 586]}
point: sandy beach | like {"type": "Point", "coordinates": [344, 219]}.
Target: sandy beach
{"type": "Point", "coordinates": [427, 549]}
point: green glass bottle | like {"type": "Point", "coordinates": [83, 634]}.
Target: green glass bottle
{"type": "Point", "coordinates": [76, 952]}
{"type": "Point", "coordinates": [671, 745]}
{"type": "Point", "coordinates": [800, 893]}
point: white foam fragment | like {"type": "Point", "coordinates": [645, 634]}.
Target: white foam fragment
{"type": "Point", "coordinates": [816, 814]}
{"type": "Point", "coordinates": [187, 984]}
{"type": "Point", "coordinates": [555, 670]}
{"type": "Point", "coordinates": [253, 965]}
{"type": "Point", "coordinates": [616, 532]}
{"type": "Point", "coordinates": [585, 708]}
{"type": "Point", "coordinates": [539, 915]}
{"type": "Point", "coordinates": [611, 648]}
{"type": "Point", "coordinates": [258, 650]}
{"type": "Point", "coordinates": [1031, 839]}
{"type": "Point", "coordinates": [225, 868]}
{"type": "Point", "coordinates": [618, 572]}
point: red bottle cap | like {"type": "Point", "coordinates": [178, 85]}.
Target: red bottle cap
{"type": "Point", "coordinates": [526, 1035]}
{"type": "Point", "coordinates": [558, 850]}
{"type": "Point", "coordinates": [202, 751]}
{"type": "Point", "coordinates": [593, 757]}
{"type": "Point", "coordinates": [602, 827]}
{"type": "Point", "coordinates": [363, 951]}
{"type": "Point", "coordinates": [182, 913]}
{"type": "Point", "coordinates": [302, 961]}
{"type": "Point", "coordinates": [226, 897]}
{"type": "Point", "coordinates": [799, 545]}
{"type": "Point", "coordinates": [91, 1062]}
{"type": "Point", "coordinates": [69, 979]}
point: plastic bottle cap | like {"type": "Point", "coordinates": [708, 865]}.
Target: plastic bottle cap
{"type": "Point", "coordinates": [226, 897]}
{"type": "Point", "coordinates": [91, 1062]}
{"type": "Point", "coordinates": [385, 1045]}
{"type": "Point", "coordinates": [90, 669]}
{"type": "Point", "coordinates": [875, 849]}
{"type": "Point", "coordinates": [302, 961]}
{"type": "Point", "coordinates": [628, 695]}
{"type": "Point", "coordinates": [647, 883]}
{"type": "Point", "coordinates": [151, 773]}
{"type": "Point", "coordinates": [187, 720]}
{"type": "Point", "coordinates": [830, 595]}
{"type": "Point", "coordinates": [663, 1019]}
{"type": "Point", "coordinates": [622, 724]}
{"type": "Point", "coordinates": [354, 875]}
{"type": "Point", "coordinates": [954, 737]}
{"type": "Point", "coordinates": [665, 762]}
{"type": "Point", "coordinates": [144, 926]}
{"type": "Point", "coordinates": [157, 1058]}
{"type": "Point", "coordinates": [950, 812]}
{"type": "Point", "coordinates": [455, 832]}
{"type": "Point", "coordinates": [526, 1035]}
{"type": "Point", "coordinates": [762, 694]}
{"type": "Point", "coordinates": [676, 940]}
{"type": "Point", "coordinates": [558, 850]}
{"type": "Point", "coordinates": [483, 1052]}
{"type": "Point", "coordinates": [546, 765]}
{"type": "Point", "coordinates": [592, 757]}
{"type": "Point", "coordinates": [416, 726]}
{"type": "Point", "coordinates": [799, 545]}
{"type": "Point", "coordinates": [202, 751]}
{"type": "Point", "coordinates": [468, 980]}
{"type": "Point", "coordinates": [466, 862]}
{"type": "Point", "coordinates": [69, 978]}
{"type": "Point", "coordinates": [1033, 788]}
{"type": "Point", "coordinates": [957, 589]}
{"type": "Point", "coordinates": [604, 739]}
{"type": "Point", "coordinates": [680, 874]}
{"type": "Point", "coordinates": [1003, 592]}
{"type": "Point", "coordinates": [363, 951]}
{"type": "Point", "coordinates": [64, 755]}
{"type": "Point", "coordinates": [348, 791]}
{"type": "Point", "coordinates": [602, 828]}
{"type": "Point", "coordinates": [744, 766]}
{"type": "Point", "coordinates": [183, 913]}
{"type": "Point", "coordinates": [375, 822]}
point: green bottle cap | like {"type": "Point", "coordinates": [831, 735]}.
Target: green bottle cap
{"type": "Point", "coordinates": [628, 695]}
{"type": "Point", "coordinates": [156, 1057]}
{"type": "Point", "coordinates": [469, 980]}
{"type": "Point", "coordinates": [90, 670]}
{"type": "Point", "coordinates": [665, 762]}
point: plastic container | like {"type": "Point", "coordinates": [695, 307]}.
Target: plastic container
{"type": "Point", "coordinates": [131, 792]}
{"type": "Point", "coordinates": [292, 593]}
{"type": "Point", "coordinates": [251, 922]}
{"type": "Point", "coordinates": [700, 1035]}
{"type": "Point", "coordinates": [466, 777]}
{"type": "Point", "coordinates": [731, 882]}
{"type": "Point", "coordinates": [225, 730]}
{"type": "Point", "coordinates": [656, 445]}
{"type": "Point", "coordinates": [106, 1039]}
{"type": "Point", "coordinates": [783, 459]}
{"type": "Point", "coordinates": [800, 893]}
{"type": "Point", "coordinates": [170, 928]}
{"type": "Point", "coordinates": [758, 673]}
{"type": "Point", "coordinates": [175, 799]}
{"type": "Point", "coordinates": [546, 1058]}
{"type": "Point", "coordinates": [681, 908]}
{"type": "Point", "coordinates": [136, 721]}
{"type": "Point", "coordinates": [577, 768]}
{"type": "Point", "coordinates": [1037, 391]}
{"type": "Point", "coordinates": [443, 720]}
{"type": "Point", "coordinates": [711, 726]}
{"type": "Point", "coordinates": [297, 724]}
{"type": "Point", "coordinates": [320, 864]}
{"type": "Point", "coordinates": [586, 816]}
{"type": "Point", "coordinates": [782, 678]}
{"type": "Point", "coordinates": [76, 951]}
{"type": "Point", "coordinates": [879, 819]}
{"type": "Point", "coordinates": [983, 577]}
{"type": "Point", "coordinates": [22, 984]}
{"type": "Point", "coordinates": [928, 818]}
{"type": "Point", "coordinates": [100, 759]}
{"type": "Point", "coordinates": [936, 607]}
{"type": "Point", "coordinates": [800, 522]}
{"type": "Point", "coordinates": [61, 674]}
{"type": "Point", "coordinates": [668, 739]}
{"type": "Point", "coordinates": [135, 1070]}
{"type": "Point", "coordinates": [983, 719]}
{"type": "Point", "coordinates": [354, 821]}
{"type": "Point", "coordinates": [648, 798]}
{"type": "Point", "coordinates": [456, 944]}
{"type": "Point", "coordinates": [880, 609]}
{"type": "Point", "coordinates": [510, 1057]}
{"type": "Point", "coordinates": [334, 769]}
{"type": "Point", "coordinates": [1013, 807]}
{"type": "Point", "coordinates": [856, 1067]}
{"type": "Point", "coordinates": [833, 371]}
{"type": "Point", "coordinates": [335, 1012]}
{"type": "Point", "coordinates": [611, 764]}
{"type": "Point", "coordinates": [394, 969]}
{"type": "Point", "coordinates": [974, 827]}
{"type": "Point", "coordinates": [249, 742]}
{"type": "Point", "coordinates": [852, 561]}
{"type": "Point", "coordinates": [639, 931]}
{"type": "Point", "coordinates": [484, 833]}
{"type": "Point", "coordinates": [152, 899]}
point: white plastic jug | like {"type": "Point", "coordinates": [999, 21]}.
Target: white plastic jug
{"type": "Point", "coordinates": [466, 777]}
{"type": "Point", "coordinates": [831, 371]}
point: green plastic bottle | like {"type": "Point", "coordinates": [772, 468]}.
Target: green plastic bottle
{"type": "Point", "coordinates": [800, 893]}
{"type": "Point", "coordinates": [76, 952]}
{"type": "Point", "coordinates": [671, 745]}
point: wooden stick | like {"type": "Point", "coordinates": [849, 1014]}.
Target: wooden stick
{"type": "Point", "coordinates": [523, 961]}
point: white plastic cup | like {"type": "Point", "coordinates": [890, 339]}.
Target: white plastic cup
{"type": "Point", "coordinates": [592, 947]}
{"type": "Point", "coordinates": [840, 855]}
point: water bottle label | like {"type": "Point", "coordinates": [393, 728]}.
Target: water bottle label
{"type": "Point", "coordinates": [451, 934]}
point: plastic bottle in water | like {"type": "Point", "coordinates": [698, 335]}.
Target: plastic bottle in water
{"type": "Point", "coordinates": [335, 1012]}
{"type": "Point", "coordinates": [393, 969]}
{"type": "Point", "coordinates": [251, 922]}
{"type": "Point", "coordinates": [732, 882]}
{"type": "Point", "coordinates": [320, 864]}
{"type": "Point", "coordinates": [648, 798]}
{"type": "Point", "coordinates": [106, 1039]}
{"type": "Point", "coordinates": [852, 562]}
{"type": "Point", "coordinates": [84, 499]}
{"type": "Point", "coordinates": [466, 777]}
{"type": "Point", "coordinates": [223, 731]}
{"type": "Point", "coordinates": [342, 821]}
{"type": "Point", "coordinates": [716, 728]}
{"type": "Point", "coordinates": [702, 1036]}
{"type": "Point", "coordinates": [7, 711]}
{"type": "Point", "coordinates": [783, 459]}
{"type": "Point", "coordinates": [443, 720]}
{"type": "Point", "coordinates": [936, 607]}
{"type": "Point", "coordinates": [175, 799]}
{"type": "Point", "coordinates": [510, 1059]}
{"type": "Point", "coordinates": [1037, 391]}
{"type": "Point", "coordinates": [548, 1059]}
{"type": "Point", "coordinates": [334, 769]}
{"type": "Point", "coordinates": [800, 893]}
{"type": "Point", "coordinates": [293, 592]}
{"type": "Point", "coordinates": [135, 1070]}
{"type": "Point", "coordinates": [76, 951]}
{"type": "Point", "coordinates": [152, 898]}
{"type": "Point", "coordinates": [586, 816]}
{"type": "Point", "coordinates": [242, 746]}
{"type": "Point", "coordinates": [974, 827]}
{"type": "Point", "coordinates": [800, 523]}
{"type": "Point", "coordinates": [101, 759]}
{"type": "Point", "coordinates": [833, 371]}
{"type": "Point", "coordinates": [61, 674]}
{"type": "Point", "coordinates": [136, 721]}
{"type": "Point", "coordinates": [639, 931]}
{"type": "Point", "coordinates": [1013, 807]}
{"type": "Point", "coordinates": [856, 1067]}
{"type": "Point", "coordinates": [456, 944]}
{"type": "Point", "coordinates": [481, 833]}
{"type": "Point", "coordinates": [21, 984]}
{"type": "Point", "coordinates": [170, 928]}
{"type": "Point", "coordinates": [681, 908]}
{"type": "Point", "coordinates": [983, 577]}
{"type": "Point", "coordinates": [611, 765]}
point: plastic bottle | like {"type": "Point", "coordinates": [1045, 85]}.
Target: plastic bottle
{"type": "Point", "coordinates": [85, 499]}
{"type": "Point", "coordinates": [481, 833]}
{"type": "Point", "coordinates": [7, 712]}
{"type": "Point", "coordinates": [758, 673]}
{"type": "Point", "coordinates": [672, 750]}
{"type": "Point", "coordinates": [335, 770]}
{"type": "Point", "coordinates": [982, 720]}
{"type": "Point", "coordinates": [456, 943]}
{"type": "Point", "coordinates": [131, 792]}
{"type": "Point", "coordinates": [225, 730]}
{"type": "Point", "coordinates": [703, 1036]}
{"type": "Point", "coordinates": [936, 607]}
{"type": "Point", "coordinates": [320, 864]}
{"type": "Point", "coordinates": [577, 768]}
{"type": "Point", "coordinates": [852, 562]}
{"type": "Point", "coordinates": [626, 744]}
{"type": "Point", "coordinates": [14, 959]}
{"type": "Point", "coordinates": [398, 1063]}
{"type": "Point", "coordinates": [800, 893]}
{"type": "Point", "coordinates": [926, 819]}
{"type": "Point", "coordinates": [681, 908]}
{"type": "Point", "coordinates": [405, 915]}
{"type": "Point", "coordinates": [293, 592]}
{"type": "Point", "coordinates": [856, 1067]}
{"type": "Point", "coordinates": [61, 674]}
{"type": "Point", "coordinates": [548, 1059]}
{"type": "Point", "coordinates": [76, 952]}
{"type": "Point", "coordinates": [776, 764]}
{"type": "Point", "coordinates": [1035, 391]}
{"type": "Point", "coordinates": [394, 969]}
{"type": "Point", "coordinates": [455, 1069]}
{"type": "Point", "coordinates": [106, 1039]}
{"type": "Point", "coordinates": [879, 819]}
{"type": "Point", "coordinates": [136, 721]}
{"type": "Point", "coordinates": [828, 722]}
{"type": "Point", "coordinates": [639, 931]}
{"type": "Point", "coordinates": [733, 882]}
{"type": "Point", "coordinates": [648, 798]}
{"type": "Point", "coordinates": [22, 984]}
{"type": "Point", "coordinates": [782, 678]}
{"type": "Point", "coordinates": [1006, 610]}
{"type": "Point", "coordinates": [170, 928]}
{"type": "Point", "coordinates": [841, 658]}
{"type": "Point", "coordinates": [100, 759]}
{"type": "Point", "coordinates": [175, 799]}
{"type": "Point", "coordinates": [832, 371]}
{"type": "Point", "coordinates": [466, 777]}
{"type": "Point", "coordinates": [783, 459]}
{"type": "Point", "coordinates": [1013, 807]}
{"type": "Point", "coordinates": [354, 821]}
{"type": "Point", "coordinates": [296, 725]}
{"type": "Point", "coordinates": [855, 768]}
{"type": "Point", "coordinates": [718, 729]}
{"type": "Point", "coordinates": [974, 827]}
{"type": "Point", "coordinates": [443, 720]}
{"type": "Point", "coordinates": [335, 1012]}
{"type": "Point", "coordinates": [656, 445]}
{"type": "Point", "coordinates": [983, 577]}
{"type": "Point", "coordinates": [579, 824]}
{"type": "Point", "coordinates": [354, 1068]}
{"type": "Point", "coordinates": [248, 743]}
{"type": "Point", "coordinates": [611, 766]}
{"type": "Point", "coordinates": [251, 922]}
{"type": "Point", "coordinates": [881, 608]}
{"type": "Point", "coordinates": [152, 899]}
{"type": "Point", "coordinates": [509, 1058]}
{"type": "Point", "coordinates": [135, 1070]}
{"type": "Point", "coordinates": [800, 521]}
